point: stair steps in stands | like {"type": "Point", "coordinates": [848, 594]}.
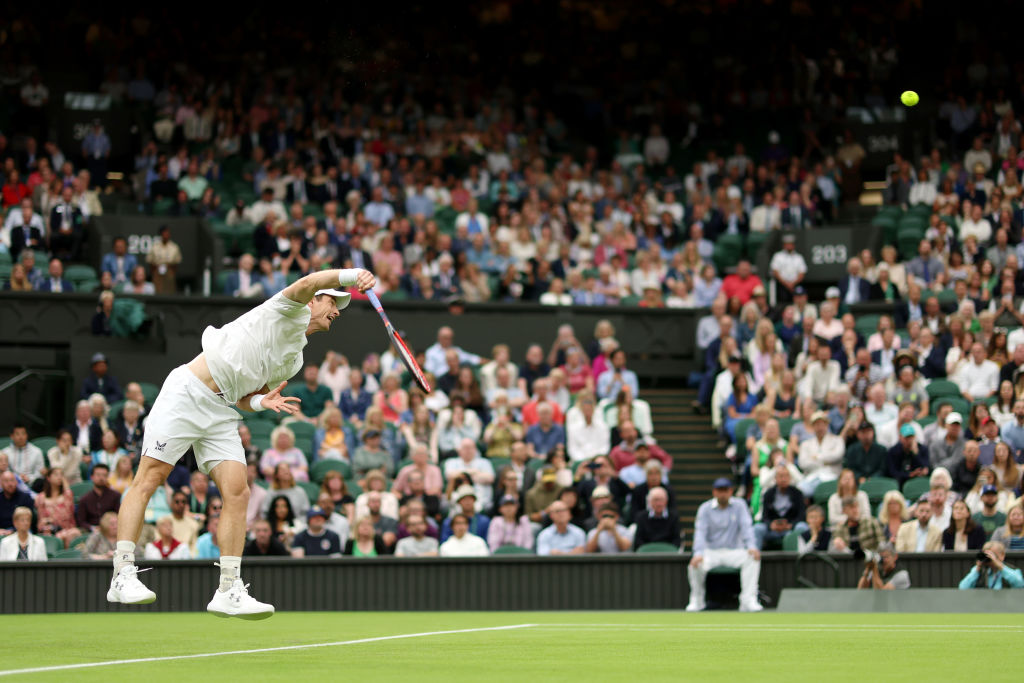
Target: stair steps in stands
{"type": "Point", "coordinates": [693, 445]}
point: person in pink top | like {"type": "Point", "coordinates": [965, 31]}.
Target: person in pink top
{"type": "Point", "coordinates": [284, 450]}
{"type": "Point", "coordinates": [742, 283]}
{"type": "Point", "coordinates": [433, 482]}
{"type": "Point", "coordinates": [624, 454]}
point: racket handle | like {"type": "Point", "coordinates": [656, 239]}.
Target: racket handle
{"type": "Point", "coordinates": [375, 302]}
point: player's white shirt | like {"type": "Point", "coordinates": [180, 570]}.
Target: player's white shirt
{"type": "Point", "coordinates": [263, 346]}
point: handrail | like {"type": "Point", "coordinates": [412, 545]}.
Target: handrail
{"type": "Point", "coordinates": [822, 557]}
{"type": "Point", "coordinates": [31, 372]}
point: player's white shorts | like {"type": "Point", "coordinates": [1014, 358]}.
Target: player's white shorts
{"type": "Point", "coordinates": [187, 413]}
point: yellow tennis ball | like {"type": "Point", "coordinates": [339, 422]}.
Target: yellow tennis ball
{"type": "Point", "coordinates": [909, 98]}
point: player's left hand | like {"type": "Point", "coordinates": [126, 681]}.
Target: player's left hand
{"type": "Point", "coordinates": [278, 403]}
{"type": "Point", "coordinates": [365, 281]}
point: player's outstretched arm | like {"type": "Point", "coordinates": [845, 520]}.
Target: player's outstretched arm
{"type": "Point", "coordinates": [302, 290]}
{"type": "Point", "coordinates": [271, 400]}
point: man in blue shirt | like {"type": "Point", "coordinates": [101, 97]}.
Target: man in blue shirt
{"type": "Point", "coordinates": [611, 381]}
{"type": "Point", "coordinates": [545, 436]}
{"type": "Point", "coordinates": [724, 537]}
{"type": "Point", "coordinates": [561, 538]}
{"type": "Point", "coordinates": [992, 573]}
{"type": "Point", "coordinates": [1013, 432]}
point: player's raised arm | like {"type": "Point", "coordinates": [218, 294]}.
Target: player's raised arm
{"type": "Point", "coordinates": [302, 290]}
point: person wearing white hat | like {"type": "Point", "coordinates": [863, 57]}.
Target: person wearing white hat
{"type": "Point", "coordinates": [821, 456]}
{"type": "Point", "coordinates": [244, 364]}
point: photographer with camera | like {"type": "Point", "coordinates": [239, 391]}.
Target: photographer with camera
{"type": "Point", "coordinates": [882, 570]}
{"type": "Point", "coordinates": [990, 571]}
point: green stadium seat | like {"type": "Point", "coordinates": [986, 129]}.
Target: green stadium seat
{"type": "Point", "coordinates": [512, 550]}
{"type": "Point", "coordinates": [786, 425]}
{"type": "Point", "coordinates": [354, 489]}
{"type": "Point", "coordinates": [658, 548]}
{"type": "Point", "coordinates": [877, 487]}
{"type": "Point", "coordinates": [263, 483]}
{"type": "Point", "coordinates": [791, 542]}
{"type": "Point", "coordinates": [915, 488]}
{"type": "Point", "coordinates": [5, 259]}
{"type": "Point", "coordinates": [741, 437]}
{"type": "Point", "coordinates": [312, 490]}
{"type": "Point", "coordinates": [80, 489]}
{"type": "Point", "coordinates": [320, 469]}
{"type": "Point", "coordinates": [824, 491]}
{"type": "Point", "coordinates": [960, 405]}
{"type": "Point", "coordinates": [498, 463]}
{"type": "Point", "coordinates": [938, 388]}
{"type": "Point", "coordinates": [70, 554]}
{"type": "Point", "coordinates": [53, 545]}
{"type": "Point", "coordinates": [260, 429]}
{"type": "Point", "coordinates": [149, 392]}
{"type": "Point", "coordinates": [78, 273]}
{"type": "Point", "coordinates": [926, 420]}
{"type": "Point", "coordinates": [867, 324]}
{"type": "Point", "coordinates": [754, 242]}
{"type": "Point", "coordinates": [81, 540]}
{"type": "Point", "coordinates": [44, 443]}
{"type": "Point", "coordinates": [86, 286]}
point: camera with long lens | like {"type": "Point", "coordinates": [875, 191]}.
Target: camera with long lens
{"type": "Point", "coordinates": [869, 556]}
{"type": "Point", "coordinates": [983, 558]}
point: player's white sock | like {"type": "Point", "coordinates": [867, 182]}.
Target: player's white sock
{"type": "Point", "coordinates": [124, 555]}
{"type": "Point", "coordinates": [230, 569]}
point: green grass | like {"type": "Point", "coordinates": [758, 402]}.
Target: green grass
{"type": "Point", "coordinates": [588, 646]}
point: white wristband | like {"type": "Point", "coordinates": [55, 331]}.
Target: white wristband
{"type": "Point", "coordinates": [348, 277]}
{"type": "Point", "coordinates": [256, 403]}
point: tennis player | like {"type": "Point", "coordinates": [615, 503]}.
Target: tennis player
{"type": "Point", "coordinates": [244, 364]}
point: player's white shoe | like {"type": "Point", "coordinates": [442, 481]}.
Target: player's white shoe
{"type": "Point", "coordinates": [126, 588]}
{"type": "Point", "coordinates": [754, 606]}
{"type": "Point", "coordinates": [236, 602]}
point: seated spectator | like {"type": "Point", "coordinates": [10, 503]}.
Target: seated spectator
{"type": "Point", "coordinates": [816, 537]}
{"type": "Point", "coordinates": [206, 546]}
{"type": "Point", "coordinates": [465, 500]}
{"type": "Point", "coordinates": [919, 535]}
{"type": "Point", "coordinates": [264, 543]}
{"type": "Point", "coordinates": [782, 511]}
{"type": "Point", "coordinates": [865, 457]}
{"type": "Point", "coordinates": [624, 453]}
{"type": "Point", "coordinates": [562, 537]}
{"type": "Point", "coordinates": [889, 433]}
{"type": "Point", "coordinates": [102, 541]}
{"type": "Point", "coordinates": [22, 544]}
{"type": "Point", "coordinates": [355, 401]}
{"type": "Point", "coordinates": [821, 456]}
{"type": "Point", "coordinates": [165, 546]}
{"type": "Point", "coordinates": [587, 434]}
{"type": "Point", "coordinates": [55, 506]}
{"type": "Point", "coordinates": [121, 475]}
{"type": "Point", "coordinates": [1011, 536]}
{"type": "Point", "coordinates": [376, 482]}
{"type": "Point", "coordinates": [129, 430]}
{"type": "Point", "coordinates": [879, 410]}
{"type": "Point", "coordinates": [892, 513]}
{"type": "Point", "coordinates": [100, 381]}
{"type": "Point", "coordinates": [284, 523]}
{"type": "Point", "coordinates": [948, 451]}
{"type": "Point", "coordinates": [335, 487]}
{"type": "Point", "coordinates": [856, 533]}
{"type": "Point", "coordinates": [371, 455]}
{"type": "Point", "coordinates": [384, 525]}
{"type": "Point", "coordinates": [993, 573]}
{"type": "Point", "coordinates": [545, 435]}
{"type": "Point", "coordinates": [365, 542]}
{"type": "Point", "coordinates": [541, 396]}
{"type": "Point", "coordinates": [316, 539]}
{"type": "Point", "coordinates": [98, 501]}
{"type": "Point", "coordinates": [609, 536]}
{"type": "Point", "coordinates": [847, 487]}
{"type": "Point", "coordinates": [477, 468]}
{"type": "Point", "coordinates": [823, 375]}
{"type": "Point", "coordinates": [906, 459]}
{"type": "Point", "coordinates": [433, 482]}
{"type": "Point", "coordinates": [637, 411]}
{"type": "Point", "coordinates": [886, 573]}
{"type": "Point", "coordinates": [284, 451]}
{"type": "Point", "coordinates": [282, 483]}
{"type": "Point", "coordinates": [25, 459]}
{"type": "Point", "coordinates": [509, 527]}
{"type": "Point", "coordinates": [110, 451]}
{"type": "Point", "coordinates": [313, 395]}
{"type": "Point", "coordinates": [462, 543]}
{"type": "Point", "coordinates": [453, 426]}
{"type": "Point", "coordinates": [613, 379]}
{"type": "Point", "coordinates": [963, 533]}
{"type": "Point", "coordinates": [417, 543]}
{"type": "Point", "coordinates": [119, 263]}
{"type": "Point", "coordinates": [656, 522]}
{"type": "Point", "coordinates": [331, 436]}
{"type": "Point", "coordinates": [989, 517]}
{"type": "Point", "coordinates": [979, 377]}
{"type": "Point", "coordinates": [636, 474]}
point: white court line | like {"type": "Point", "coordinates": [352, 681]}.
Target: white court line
{"type": "Point", "coordinates": [759, 626]}
{"type": "Point", "coordinates": [759, 629]}
{"type": "Point", "coordinates": [143, 660]}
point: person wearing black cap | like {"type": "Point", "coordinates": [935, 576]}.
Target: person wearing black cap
{"type": "Point", "coordinates": [99, 382]}
{"type": "Point", "coordinates": [866, 457]}
{"type": "Point", "coordinates": [724, 537]}
{"type": "Point", "coordinates": [788, 268]}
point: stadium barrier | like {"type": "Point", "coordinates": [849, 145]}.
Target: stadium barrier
{"type": "Point", "coordinates": [920, 601]}
{"type": "Point", "coordinates": [507, 582]}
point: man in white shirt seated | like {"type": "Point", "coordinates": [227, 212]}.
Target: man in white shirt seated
{"type": "Point", "coordinates": [462, 543]}
{"type": "Point", "coordinates": [562, 537]}
{"type": "Point", "coordinates": [586, 432]}
{"type": "Point", "coordinates": [978, 378]}
{"type": "Point", "coordinates": [821, 456]}
{"type": "Point", "coordinates": [878, 410]}
{"type": "Point", "coordinates": [435, 354]}
{"type": "Point", "coordinates": [244, 282]}
{"type": "Point", "coordinates": [823, 375]}
{"type": "Point", "coordinates": [888, 433]}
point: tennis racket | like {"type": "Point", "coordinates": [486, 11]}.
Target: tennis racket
{"type": "Point", "coordinates": [396, 340]}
